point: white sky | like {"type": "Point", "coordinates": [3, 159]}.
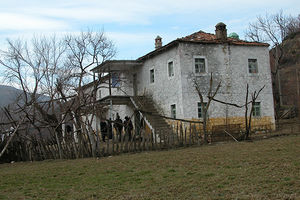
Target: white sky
{"type": "Point", "coordinates": [133, 24]}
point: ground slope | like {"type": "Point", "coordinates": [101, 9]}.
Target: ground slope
{"type": "Point", "coordinates": [266, 169]}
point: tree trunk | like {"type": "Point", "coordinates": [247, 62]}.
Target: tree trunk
{"type": "Point", "coordinates": [11, 137]}
{"type": "Point", "coordinates": [59, 145]}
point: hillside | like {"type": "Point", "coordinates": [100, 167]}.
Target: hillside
{"type": "Point", "coordinates": [266, 169]}
{"type": "Point", "coordinates": [290, 71]}
{"type": "Point", "coordinates": [8, 95]}
{"type": "Point", "coordinates": [291, 48]}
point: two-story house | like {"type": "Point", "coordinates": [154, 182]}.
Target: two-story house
{"type": "Point", "coordinates": [163, 79]}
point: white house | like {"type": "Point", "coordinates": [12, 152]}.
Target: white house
{"type": "Point", "coordinates": [164, 77]}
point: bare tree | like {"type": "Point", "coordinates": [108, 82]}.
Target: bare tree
{"type": "Point", "coordinates": [274, 29]}
{"type": "Point", "coordinates": [205, 105]}
{"type": "Point", "coordinates": [51, 72]}
{"type": "Point", "coordinates": [248, 117]}
{"type": "Point", "coordinates": [87, 50]}
{"type": "Point", "coordinates": [33, 66]}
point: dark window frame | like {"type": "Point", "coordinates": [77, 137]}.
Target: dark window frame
{"type": "Point", "coordinates": [200, 109]}
{"type": "Point", "coordinates": [252, 66]}
{"type": "Point", "coordinates": [256, 109]}
{"type": "Point", "coordinates": [199, 65]}
{"type": "Point", "coordinates": [173, 111]}
{"type": "Point", "coordinates": [171, 66]}
{"type": "Point", "coordinates": [152, 76]}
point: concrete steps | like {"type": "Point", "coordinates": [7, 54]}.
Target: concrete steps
{"type": "Point", "coordinates": [146, 105]}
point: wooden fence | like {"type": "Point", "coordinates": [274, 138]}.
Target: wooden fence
{"type": "Point", "coordinates": [183, 134]}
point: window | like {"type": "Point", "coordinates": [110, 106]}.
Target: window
{"type": "Point", "coordinates": [173, 111]}
{"type": "Point", "coordinates": [200, 110]}
{"type": "Point", "coordinates": [256, 109]}
{"type": "Point", "coordinates": [115, 80]}
{"type": "Point", "coordinates": [152, 76]}
{"type": "Point", "coordinates": [171, 69]}
{"type": "Point", "coordinates": [252, 66]}
{"type": "Point", "coordinates": [200, 65]}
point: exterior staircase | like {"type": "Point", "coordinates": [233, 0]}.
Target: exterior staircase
{"type": "Point", "coordinates": [151, 115]}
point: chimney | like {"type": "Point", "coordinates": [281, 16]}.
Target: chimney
{"type": "Point", "coordinates": [158, 42]}
{"type": "Point", "coordinates": [221, 31]}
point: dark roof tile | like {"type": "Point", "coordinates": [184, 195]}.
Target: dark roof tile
{"type": "Point", "coordinates": [202, 37]}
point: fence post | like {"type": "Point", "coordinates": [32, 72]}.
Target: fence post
{"type": "Point", "coordinates": [185, 136]}
{"type": "Point", "coordinates": [107, 147]}
{"type": "Point", "coordinates": [122, 140]}
{"type": "Point", "coordinates": [190, 137]}
{"type": "Point", "coordinates": [160, 138]}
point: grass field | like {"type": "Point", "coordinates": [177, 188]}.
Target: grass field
{"type": "Point", "coordinates": [265, 169]}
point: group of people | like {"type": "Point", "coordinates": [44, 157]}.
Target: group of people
{"type": "Point", "coordinates": [106, 128]}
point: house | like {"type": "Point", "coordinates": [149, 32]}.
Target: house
{"type": "Point", "coordinates": [161, 82]}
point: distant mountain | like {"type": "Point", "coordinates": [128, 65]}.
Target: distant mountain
{"type": "Point", "coordinates": [8, 95]}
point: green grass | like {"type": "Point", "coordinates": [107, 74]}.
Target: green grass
{"type": "Point", "coordinates": [266, 169]}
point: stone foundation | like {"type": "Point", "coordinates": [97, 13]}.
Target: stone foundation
{"type": "Point", "coordinates": [266, 123]}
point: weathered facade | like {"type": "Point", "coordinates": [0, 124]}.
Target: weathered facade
{"type": "Point", "coordinates": [167, 73]}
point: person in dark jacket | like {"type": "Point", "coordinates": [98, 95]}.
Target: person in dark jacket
{"type": "Point", "coordinates": [103, 127]}
{"type": "Point", "coordinates": [110, 134]}
{"type": "Point", "coordinates": [128, 127]}
{"type": "Point", "coordinates": [118, 126]}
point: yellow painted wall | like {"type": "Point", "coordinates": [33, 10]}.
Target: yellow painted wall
{"type": "Point", "coordinates": [257, 123]}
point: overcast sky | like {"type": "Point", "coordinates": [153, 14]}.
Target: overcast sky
{"type": "Point", "coordinates": [133, 24]}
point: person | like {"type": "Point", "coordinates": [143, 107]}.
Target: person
{"type": "Point", "coordinates": [69, 131]}
{"type": "Point", "coordinates": [103, 127]}
{"type": "Point", "coordinates": [110, 134]}
{"type": "Point", "coordinates": [128, 127]}
{"type": "Point", "coordinates": [118, 126]}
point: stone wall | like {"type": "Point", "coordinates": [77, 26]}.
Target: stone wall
{"type": "Point", "coordinates": [229, 65]}
{"type": "Point", "coordinates": [165, 90]}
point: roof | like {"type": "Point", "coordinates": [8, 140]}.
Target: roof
{"type": "Point", "coordinates": [102, 80]}
{"type": "Point", "coordinates": [114, 65]}
{"type": "Point", "coordinates": [201, 37]}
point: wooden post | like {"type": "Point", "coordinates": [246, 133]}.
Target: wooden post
{"type": "Point", "coordinates": [107, 147]}
{"type": "Point", "coordinates": [168, 138]}
{"type": "Point", "coordinates": [112, 144]}
{"type": "Point", "coordinates": [122, 140]}
{"type": "Point", "coordinates": [173, 138]}
{"type": "Point", "coordinates": [298, 93]}
{"type": "Point", "coordinates": [190, 138]}
{"type": "Point", "coordinates": [185, 136]}
{"type": "Point", "coordinates": [143, 142]}
{"type": "Point", "coordinates": [177, 135]}
{"type": "Point", "coordinates": [151, 140]}
{"type": "Point", "coordinates": [134, 141]}
{"type": "Point", "coordinates": [117, 141]}
{"type": "Point", "coordinates": [126, 138]}
{"type": "Point", "coordinates": [160, 138]}
{"type": "Point", "coordinates": [155, 139]}
{"type": "Point", "coordinates": [196, 134]}
{"type": "Point", "coordinates": [147, 142]}
{"type": "Point", "coordinates": [181, 134]}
